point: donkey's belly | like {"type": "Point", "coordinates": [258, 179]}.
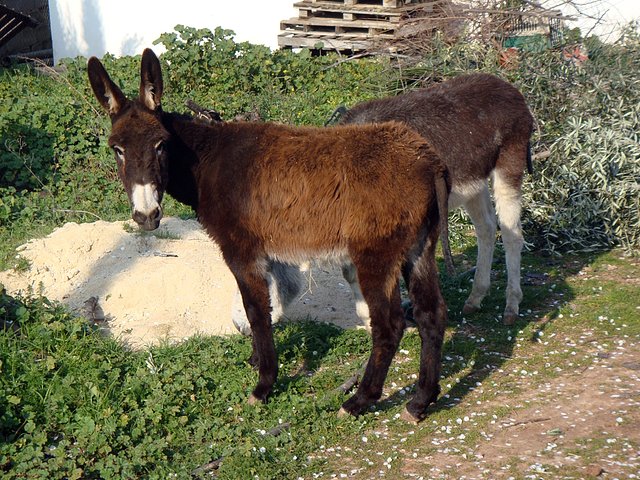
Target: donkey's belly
{"type": "Point", "coordinates": [338, 256]}
{"type": "Point", "coordinates": [461, 193]}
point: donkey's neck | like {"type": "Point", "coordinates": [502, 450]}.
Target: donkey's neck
{"type": "Point", "coordinates": [188, 138]}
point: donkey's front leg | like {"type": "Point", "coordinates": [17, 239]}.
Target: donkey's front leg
{"type": "Point", "coordinates": [285, 282]}
{"type": "Point", "coordinates": [255, 297]}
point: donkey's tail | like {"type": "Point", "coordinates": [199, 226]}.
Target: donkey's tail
{"type": "Point", "coordinates": [336, 116]}
{"type": "Point", "coordinates": [529, 159]}
{"type": "Point", "coordinates": [208, 116]}
{"type": "Point", "coordinates": [442, 197]}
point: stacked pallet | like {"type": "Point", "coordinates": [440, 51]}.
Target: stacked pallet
{"type": "Point", "coordinates": [345, 25]}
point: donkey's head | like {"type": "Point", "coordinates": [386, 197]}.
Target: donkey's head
{"type": "Point", "coordinates": [138, 137]}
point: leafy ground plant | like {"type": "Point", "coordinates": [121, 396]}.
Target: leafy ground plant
{"type": "Point", "coordinates": [555, 394]}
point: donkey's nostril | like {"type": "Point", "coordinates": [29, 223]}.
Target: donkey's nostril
{"type": "Point", "coordinates": [156, 214]}
{"type": "Point", "coordinates": [139, 217]}
{"type": "Point", "coordinates": [149, 221]}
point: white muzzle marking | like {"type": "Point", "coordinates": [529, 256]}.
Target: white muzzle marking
{"type": "Point", "coordinates": [144, 198]}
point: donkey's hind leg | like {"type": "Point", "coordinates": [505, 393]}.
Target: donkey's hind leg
{"type": "Point", "coordinates": [285, 283]}
{"type": "Point", "coordinates": [508, 205]}
{"type": "Point", "coordinates": [483, 216]}
{"type": "Point", "coordinates": [430, 313]}
{"type": "Point", "coordinates": [382, 294]}
{"type": "Point", "coordinates": [362, 309]}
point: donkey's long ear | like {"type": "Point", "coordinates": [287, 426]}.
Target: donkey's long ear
{"type": "Point", "coordinates": [108, 94]}
{"type": "Point", "coordinates": [150, 80]}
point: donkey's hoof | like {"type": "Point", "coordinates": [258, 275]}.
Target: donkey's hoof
{"type": "Point", "coordinates": [355, 406]}
{"type": "Point", "coordinates": [342, 413]}
{"type": "Point", "coordinates": [469, 309]}
{"type": "Point", "coordinates": [509, 318]}
{"type": "Point", "coordinates": [409, 417]}
{"type": "Point", "coordinates": [243, 327]}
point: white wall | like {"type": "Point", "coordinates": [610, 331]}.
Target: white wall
{"type": "Point", "coordinates": [126, 27]}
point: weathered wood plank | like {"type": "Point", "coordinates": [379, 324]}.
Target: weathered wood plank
{"type": "Point", "coordinates": [328, 42]}
{"type": "Point", "coordinates": [318, 23]}
{"type": "Point", "coordinates": [307, 9]}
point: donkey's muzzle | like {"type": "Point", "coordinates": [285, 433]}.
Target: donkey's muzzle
{"type": "Point", "coordinates": [149, 221]}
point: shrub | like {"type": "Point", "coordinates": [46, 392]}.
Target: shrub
{"type": "Point", "coordinates": [585, 195]}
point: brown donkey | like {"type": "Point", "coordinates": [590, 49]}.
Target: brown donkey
{"type": "Point", "coordinates": [268, 192]}
{"type": "Point", "coordinates": [480, 126]}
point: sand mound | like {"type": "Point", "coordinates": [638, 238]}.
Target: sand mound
{"type": "Point", "coordinates": [167, 284]}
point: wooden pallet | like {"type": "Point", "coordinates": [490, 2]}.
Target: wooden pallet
{"type": "Point", "coordinates": [381, 3]}
{"type": "Point", "coordinates": [345, 24]}
{"type": "Point", "coordinates": [329, 25]}
{"type": "Point", "coordinates": [327, 9]}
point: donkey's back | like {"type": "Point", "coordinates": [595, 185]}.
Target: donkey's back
{"type": "Point", "coordinates": [314, 190]}
{"type": "Point", "coordinates": [467, 120]}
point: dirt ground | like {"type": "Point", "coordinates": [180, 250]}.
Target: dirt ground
{"type": "Point", "coordinates": [582, 424]}
{"type": "Point", "coordinates": [164, 285]}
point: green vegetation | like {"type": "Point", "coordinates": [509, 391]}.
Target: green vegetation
{"type": "Point", "coordinates": [235, 78]}
{"type": "Point", "coordinates": [76, 404]}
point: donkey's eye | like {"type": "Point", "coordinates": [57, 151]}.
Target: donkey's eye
{"type": "Point", "coordinates": [160, 148]}
{"type": "Point", "coordinates": [119, 152]}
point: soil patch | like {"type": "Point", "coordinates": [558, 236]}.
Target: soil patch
{"type": "Point", "coordinates": [583, 424]}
